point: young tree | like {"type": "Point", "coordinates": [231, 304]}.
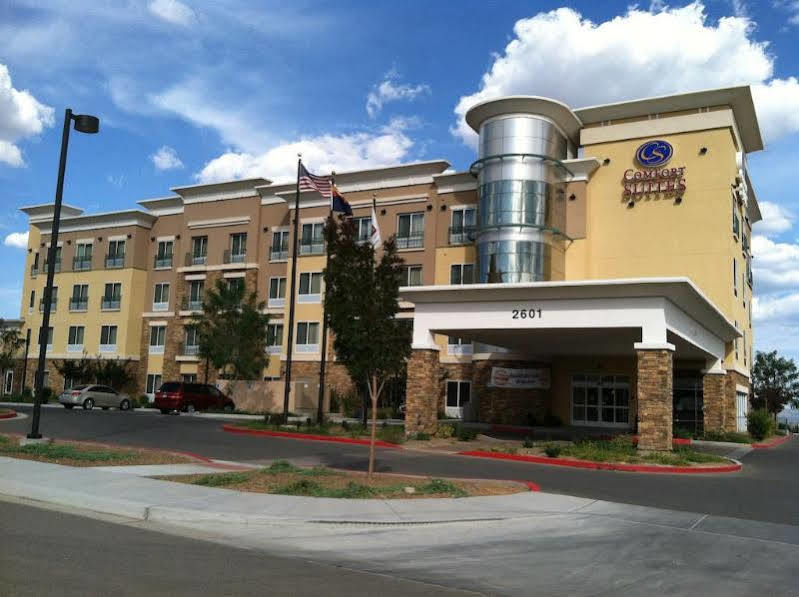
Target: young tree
{"type": "Point", "coordinates": [80, 371]}
{"type": "Point", "coordinates": [362, 302]}
{"type": "Point", "coordinates": [231, 331]}
{"type": "Point", "coordinates": [113, 372]}
{"type": "Point", "coordinates": [10, 344]}
{"type": "Point", "coordinates": [775, 382]}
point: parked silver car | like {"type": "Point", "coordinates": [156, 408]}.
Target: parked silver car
{"type": "Point", "coordinates": [89, 395]}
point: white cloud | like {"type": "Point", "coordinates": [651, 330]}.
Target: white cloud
{"type": "Point", "coordinates": [390, 90]}
{"type": "Point", "coordinates": [776, 219]}
{"type": "Point", "coordinates": [321, 154]}
{"type": "Point", "coordinates": [16, 239]}
{"type": "Point", "coordinates": [792, 7]}
{"type": "Point", "coordinates": [166, 158]}
{"type": "Point", "coordinates": [562, 55]}
{"type": "Point", "coordinates": [775, 264]}
{"type": "Point", "coordinates": [772, 308]}
{"type": "Point", "coordinates": [21, 115]}
{"type": "Point", "coordinates": [173, 11]}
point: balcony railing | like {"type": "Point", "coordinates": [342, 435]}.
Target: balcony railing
{"type": "Point", "coordinates": [190, 304]}
{"type": "Point", "coordinates": [108, 347]}
{"type": "Point", "coordinates": [34, 271]}
{"type": "Point", "coordinates": [312, 248]}
{"type": "Point", "coordinates": [276, 303]}
{"type": "Point", "coordinates": [111, 303]}
{"type": "Point", "coordinates": [230, 257]}
{"type": "Point", "coordinates": [57, 266]}
{"type": "Point", "coordinates": [195, 259]}
{"type": "Point", "coordinates": [53, 305]}
{"type": "Point", "coordinates": [78, 304]}
{"type": "Point", "coordinates": [279, 254]}
{"type": "Point", "coordinates": [114, 261]}
{"type": "Point", "coordinates": [414, 240]}
{"type": "Point", "coordinates": [161, 306]}
{"type": "Point", "coordinates": [189, 350]}
{"type": "Point", "coordinates": [156, 349]}
{"type": "Point", "coordinates": [462, 235]}
{"type": "Point", "coordinates": [75, 347]}
{"type": "Point", "coordinates": [162, 261]}
{"type": "Point", "coordinates": [274, 349]}
{"type": "Point", "coordinates": [81, 264]}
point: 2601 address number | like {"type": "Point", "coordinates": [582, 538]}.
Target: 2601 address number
{"type": "Point", "coordinates": [526, 313]}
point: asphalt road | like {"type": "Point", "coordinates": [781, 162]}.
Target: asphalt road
{"type": "Point", "coordinates": [765, 490]}
{"type": "Point", "coordinates": [46, 552]}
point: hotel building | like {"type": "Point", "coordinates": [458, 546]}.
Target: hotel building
{"type": "Point", "coordinates": [592, 265]}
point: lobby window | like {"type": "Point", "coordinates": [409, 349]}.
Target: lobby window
{"type": "Point", "coordinates": [410, 231]}
{"type": "Point", "coordinates": [53, 300]}
{"type": "Point", "coordinates": [108, 338]}
{"type": "Point", "coordinates": [459, 393]}
{"type": "Point", "coordinates": [80, 297]}
{"type": "Point", "coordinates": [191, 341]}
{"type": "Point", "coordinates": [462, 225]}
{"type": "Point", "coordinates": [161, 297]}
{"type": "Point", "coordinates": [458, 346]}
{"type": "Point", "coordinates": [163, 257]}
{"type": "Point", "coordinates": [153, 383]}
{"type": "Point", "coordinates": [735, 276]}
{"type": "Point", "coordinates": [312, 241]}
{"type": "Point", "coordinates": [277, 292]}
{"type": "Point", "coordinates": [157, 339]}
{"type": "Point", "coordinates": [194, 302]}
{"type": "Point", "coordinates": [32, 301]}
{"type": "Point", "coordinates": [112, 297]}
{"type": "Point", "coordinates": [116, 254]}
{"type": "Point", "coordinates": [199, 250]}
{"type": "Point", "coordinates": [75, 338]}
{"type": "Point", "coordinates": [600, 400]}
{"type": "Point", "coordinates": [83, 257]}
{"type": "Point", "coordinates": [308, 336]}
{"type": "Point", "coordinates": [280, 245]}
{"type": "Point", "coordinates": [238, 248]}
{"type": "Point", "coordinates": [274, 338]}
{"type": "Point", "coordinates": [411, 276]}
{"type": "Point", "coordinates": [363, 228]}
{"type": "Point", "coordinates": [461, 273]}
{"type": "Point", "coordinates": [310, 287]}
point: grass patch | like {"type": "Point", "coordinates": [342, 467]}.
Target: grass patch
{"type": "Point", "coordinates": [221, 479]}
{"type": "Point", "coordinates": [393, 434]}
{"type": "Point", "coordinates": [621, 449]}
{"type": "Point", "coordinates": [737, 437]}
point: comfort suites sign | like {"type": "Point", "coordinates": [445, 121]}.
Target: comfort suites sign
{"type": "Point", "coordinates": [501, 377]}
{"type": "Point", "coordinates": [654, 176]}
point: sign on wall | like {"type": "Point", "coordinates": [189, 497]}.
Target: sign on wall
{"type": "Point", "coordinates": [502, 377]}
{"type": "Point", "coordinates": [654, 177]}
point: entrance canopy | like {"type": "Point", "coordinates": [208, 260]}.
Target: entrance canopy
{"type": "Point", "coordinates": [588, 317]}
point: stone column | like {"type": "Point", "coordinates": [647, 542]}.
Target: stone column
{"type": "Point", "coordinates": [655, 398]}
{"type": "Point", "coordinates": [714, 401]}
{"type": "Point", "coordinates": [421, 394]}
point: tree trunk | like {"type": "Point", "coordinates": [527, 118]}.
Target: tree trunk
{"type": "Point", "coordinates": [373, 394]}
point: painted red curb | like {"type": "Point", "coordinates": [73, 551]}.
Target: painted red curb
{"type": "Point", "coordinates": [308, 436]}
{"type": "Point", "coordinates": [531, 486]}
{"type": "Point", "coordinates": [10, 415]}
{"type": "Point", "coordinates": [604, 466]}
{"type": "Point", "coordinates": [772, 443]}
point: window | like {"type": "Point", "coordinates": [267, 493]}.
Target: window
{"type": "Point", "coordinates": [53, 300]}
{"type": "Point", "coordinates": [32, 302]}
{"type": "Point", "coordinates": [108, 338]}
{"type": "Point", "coordinates": [308, 336]}
{"type": "Point", "coordinates": [735, 276]}
{"type": "Point", "coordinates": [191, 344]}
{"type": "Point", "coordinates": [274, 338]}
{"type": "Point", "coordinates": [35, 266]}
{"type": "Point", "coordinates": [745, 346]}
{"type": "Point", "coordinates": [410, 231]}
{"type": "Point", "coordinates": [463, 226]}
{"type": "Point", "coordinates": [157, 339]}
{"type": "Point", "coordinates": [742, 408]}
{"type": "Point", "coordinates": [112, 297]}
{"type": "Point", "coordinates": [236, 285]}
{"type": "Point", "coordinates": [277, 292]}
{"type": "Point", "coordinates": [75, 338]}
{"type": "Point", "coordinates": [199, 250]}
{"type": "Point", "coordinates": [735, 342]}
{"type": "Point", "coordinates": [280, 245]}
{"type": "Point", "coordinates": [459, 393]}
{"type": "Point", "coordinates": [238, 247]}
{"type": "Point", "coordinates": [49, 337]}
{"type": "Point", "coordinates": [80, 297]}
{"type": "Point", "coordinates": [188, 377]}
{"type": "Point", "coordinates": [363, 228]}
{"type": "Point", "coordinates": [194, 302]}
{"type": "Point", "coordinates": [411, 276]}
{"type": "Point", "coordinates": [161, 297]}
{"type": "Point", "coordinates": [736, 221]}
{"type": "Point", "coordinates": [163, 258]}
{"type": "Point", "coordinates": [312, 241]}
{"type": "Point", "coordinates": [601, 400]}
{"type": "Point", "coordinates": [458, 346]}
{"type": "Point", "coordinates": [116, 254]}
{"type": "Point", "coordinates": [56, 261]}
{"type": "Point", "coordinates": [8, 382]}
{"type": "Point", "coordinates": [310, 287]}
{"type": "Point", "coordinates": [153, 383]}
{"type": "Point", "coordinates": [83, 257]}
{"type": "Point", "coordinates": [461, 273]}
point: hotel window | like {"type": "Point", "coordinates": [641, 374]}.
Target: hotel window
{"type": "Point", "coordinates": [112, 297]}
{"type": "Point", "coordinates": [411, 276]}
{"type": "Point", "coordinates": [116, 254]}
{"type": "Point", "coordinates": [32, 302]}
{"type": "Point", "coordinates": [35, 266]}
{"type": "Point", "coordinates": [410, 231]}
{"type": "Point", "coordinates": [310, 287]}
{"type": "Point", "coordinates": [199, 250]}
{"type": "Point", "coordinates": [157, 339]}
{"type": "Point", "coordinates": [194, 302]}
{"type": "Point", "coordinates": [463, 225]}
{"type": "Point", "coordinates": [280, 245]}
{"type": "Point", "coordinates": [83, 257]}
{"type": "Point", "coordinates": [161, 297]}
{"type": "Point", "coordinates": [277, 292]}
{"type": "Point", "coordinates": [53, 300]}
{"type": "Point", "coordinates": [108, 338]}
{"type": "Point", "coordinates": [601, 400]}
{"type": "Point", "coordinates": [735, 342]}
{"type": "Point", "coordinates": [153, 383]}
{"type": "Point", "coordinates": [238, 248]}
{"type": "Point", "coordinates": [745, 347]}
{"type": "Point", "coordinates": [236, 285]}
{"type": "Point", "coordinates": [461, 273]}
{"type": "Point", "coordinates": [188, 377]}
{"type": "Point", "coordinates": [80, 297]}
{"type": "Point", "coordinates": [363, 229]}
{"type": "Point", "coordinates": [163, 258]}
{"type": "Point", "coordinates": [75, 338]}
{"type": "Point", "coordinates": [308, 336]}
{"type": "Point", "coordinates": [736, 221]}
{"type": "Point", "coordinates": [49, 338]}
{"type": "Point", "coordinates": [57, 260]}
{"type": "Point", "coordinates": [735, 276]}
{"type": "Point", "coordinates": [458, 346]}
{"type": "Point", "coordinates": [191, 342]}
{"type": "Point", "coordinates": [274, 338]}
{"type": "Point", "coordinates": [8, 382]}
{"type": "Point", "coordinates": [459, 393]}
{"type": "Point", "coordinates": [312, 241]}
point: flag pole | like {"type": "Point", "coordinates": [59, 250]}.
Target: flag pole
{"type": "Point", "coordinates": [290, 338]}
{"type": "Point", "coordinates": [321, 404]}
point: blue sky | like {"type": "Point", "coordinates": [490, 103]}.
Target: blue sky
{"type": "Point", "coordinates": [196, 91]}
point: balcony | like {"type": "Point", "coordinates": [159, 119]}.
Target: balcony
{"type": "Point", "coordinates": [414, 240]}
{"type": "Point", "coordinates": [78, 304]}
{"type": "Point", "coordinates": [279, 254]}
{"type": "Point", "coordinates": [190, 304]}
{"type": "Point", "coordinates": [53, 305]}
{"type": "Point", "coordinates": [195, 259]}
{"type": "Point", "coordinates": [230, 257]}
{"type": "Point", "coordinates": [312, 247]}
{"type": "Point", "coordinates": [276, 303]}
{"type": "Point", "coordinates": [106, 348]}
{"type": "Point", "coordinates": [189, 350]}
{"type": "Point", "coordinates": [156, 349]}
{"type": "Point", "coordinates": [306, 348]}
{"type": "Point", "coordinates": [161, 306]}
{"type": "Point", "coordinates": [114, 261]}
{"type": "Point", "coordinates": [162, 262]}
{"type": "Point", "coordinates": [113, 303]}
{"type": "Point", "coordinates": [81, 264]}
{"type": "Point", "coordinates": [462, 235]}
{"type": "Point", "coordinates": [75, 348]}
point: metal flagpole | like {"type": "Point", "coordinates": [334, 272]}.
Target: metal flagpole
{"type": "Point", "coordinates": [322, 364]}
{"type": "Point", "coordinates": [295, 247]}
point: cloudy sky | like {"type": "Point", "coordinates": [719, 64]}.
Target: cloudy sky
{"type": "Point", "coordinates": [193, 91]}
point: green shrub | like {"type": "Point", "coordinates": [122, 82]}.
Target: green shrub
{"type": "Point", "coordinates": [421, 436]}
{"type": "Point", "coordinates": [441, 486]}
{"type": "Point", "coordinates": [345, 425]}
{"type": "Point", "coordinates": [335, 401]}
{"type": "Point", "coordinates": [726, 436]}
{"type": "Point", "coordinates": [681, 433]}
{"type": "Point", "coordinates": [528, 442]}
{"type": "Point", "coordinates": [445, 431]}
{"type": "Point", "coordinates": [553, 451]}
{"type": "Point", "coordinates": [144, 401]}
{"type": "Point", "coordinates": [394, 434]}
{"type": "Point", "coordinates": [759, 423]}
{"type": "Point", "coordinates": [466, 435]}
{"type": "Point", "coordinates": [221, 479]}
{"type": "Point", "coordinates": [351, 404]}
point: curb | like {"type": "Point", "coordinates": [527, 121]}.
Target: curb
{"type": "Point", "coordinates": [9, 415]}
{"type": "Point", "coordinates": [308, 436]}
{"type": "Point", "coordinates": [605, 466]}
{"type": "Point", "coordinates": [773, 443]}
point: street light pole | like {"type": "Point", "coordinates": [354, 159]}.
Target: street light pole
{"type": "Point", "coordinates": [84, 124]}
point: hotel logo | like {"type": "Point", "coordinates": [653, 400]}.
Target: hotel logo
{"type": "Point", "coordinates": [654, 153]}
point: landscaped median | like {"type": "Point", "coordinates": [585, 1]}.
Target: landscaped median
{"type": "Point", "coordinates": [7, 413]}
{"type": "Point", "coordinates": [388, 436]}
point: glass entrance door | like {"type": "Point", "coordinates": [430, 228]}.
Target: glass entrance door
{"type": "Point", "coordinates": [602, 400]}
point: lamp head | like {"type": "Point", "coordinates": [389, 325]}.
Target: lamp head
{"type": "Point", "coordinates": [84, 123]}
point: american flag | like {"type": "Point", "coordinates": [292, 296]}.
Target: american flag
{"type": "Point", "coordinates": [311, 182]}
